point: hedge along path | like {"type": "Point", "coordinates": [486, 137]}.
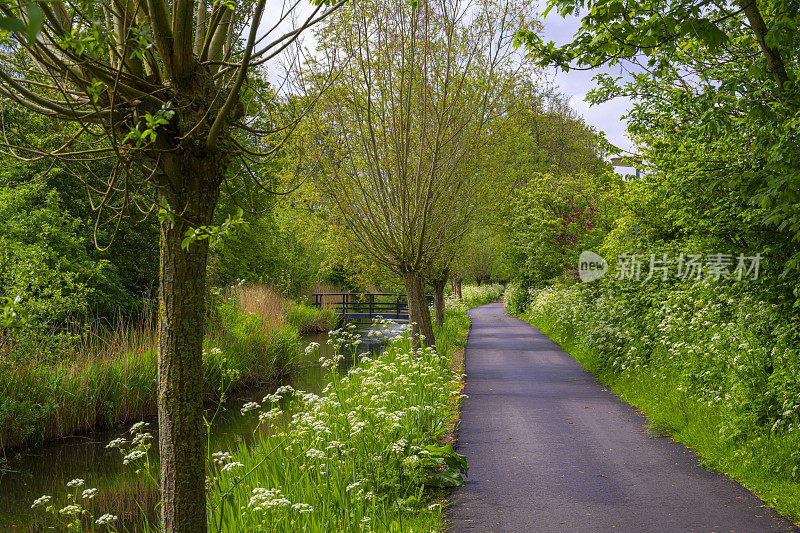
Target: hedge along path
{"type": "Point", "coordinates": [550, 449]}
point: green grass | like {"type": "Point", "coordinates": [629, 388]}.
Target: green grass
{"type": "Point", "coordinates": [111, 382]}
{"type": "Point", "coordinates": [308, 319]}
{"type": "Point", "coordinates": [765, 462]}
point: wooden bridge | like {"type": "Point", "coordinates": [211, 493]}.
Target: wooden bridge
{"type": "Point", "coordinates": [365, 305]}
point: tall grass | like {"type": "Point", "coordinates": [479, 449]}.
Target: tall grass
{"type": "Point", "coordinates": [363, 455]}
{"type": "Point", "coordinates": [262, 301]}
{"type": "Point", "coordinates": [106, 377]}
{"type": "Point", "coordinates": [308, 319]}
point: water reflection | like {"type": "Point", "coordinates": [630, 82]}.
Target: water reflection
{"type": "Point", "coordinates": [46, 470]}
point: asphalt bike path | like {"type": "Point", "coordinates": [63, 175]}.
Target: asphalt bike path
{"type": "Point", "coordinates": [550, 449]}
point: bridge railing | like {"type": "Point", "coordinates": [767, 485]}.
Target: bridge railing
{"type": "Point", "coordinates": [367, 305]}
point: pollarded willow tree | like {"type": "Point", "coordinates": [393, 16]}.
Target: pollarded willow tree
{"type": "Point", "coordinates": [417, 84]}
{"type": "Point", "coordinates": [163, 89]}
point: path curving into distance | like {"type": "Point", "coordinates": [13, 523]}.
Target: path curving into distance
{"type": "Point", "coordinates": [550, 449]}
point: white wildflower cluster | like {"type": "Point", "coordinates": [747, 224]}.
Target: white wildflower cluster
{"type": "Point", "coordinates": [77, 482]}
{"type": "Point", "coordinates": [282, 392]}
{"type": "Point", "coordinates": [724, 346]}
{"type": "Point", "coordinates": [399, 446]}
{"type": "Point", "coordinates": [230, 466]}
{"type": "Point", "coordinates": [249, 406]}
{"type": "Point", "coordinates": [344, 339]}
{"type": "Point", "coordinates": [141, 438]}
{"type": "Point", "coordinates": [221, 458]}
{"type": "Point", "coordinates": [302, 508]}
{"type": "Point", "coordinates": [266, 499]}
{"type": "Point", "coordinates": [41, 501]}
{"type": "Point", "coordinates": [316, 454]}
{"type": "Point", "coordinates": [116, 443]}
{"type": "Point", "coordinates": [138, 426]}
{"type": "Point", "coordinates": [133, 456]}
{"type": "Point", "coordinates": [106, 519]}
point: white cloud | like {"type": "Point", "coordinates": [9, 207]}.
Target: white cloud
{"type": "Point", "coordinates": [574, 84]}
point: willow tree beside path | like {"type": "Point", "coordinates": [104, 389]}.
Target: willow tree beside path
{"type": "Point", "coordinates": [158, 86]}
{"type": "Point", "coordinates": [417, 84]}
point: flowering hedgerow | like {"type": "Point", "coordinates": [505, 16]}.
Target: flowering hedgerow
{"type": "Point", "coordinates": [721, 345]}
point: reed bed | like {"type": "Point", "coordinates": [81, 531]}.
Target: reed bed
{"type": "Point", "coordinates": [105, 376]}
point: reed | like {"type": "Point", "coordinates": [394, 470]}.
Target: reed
{"type": "Point", "coordinates": [105, 376]}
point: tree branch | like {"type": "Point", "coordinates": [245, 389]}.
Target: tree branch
{"type": "Point", "coordinates": [233, 97]}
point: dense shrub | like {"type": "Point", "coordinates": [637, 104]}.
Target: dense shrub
{"type": "Point", "coordinates": [718, 341]}
{"type": "Point", "coordinates": [44, 260]}
{"type": "Point", "coordinates": [516, 297]}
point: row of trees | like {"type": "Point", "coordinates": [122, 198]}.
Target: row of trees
{"type": "Point", "coordinates": [413, 122]}
{"type": "Point", "coordinates": [402, 133]}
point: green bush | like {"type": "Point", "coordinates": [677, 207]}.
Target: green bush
{"type": "Point", "coordinates": [516, 297]}
{"type": "Point", "coordinates": [44, 260]}
{"type": "Point", "coordinates": [723, 345]}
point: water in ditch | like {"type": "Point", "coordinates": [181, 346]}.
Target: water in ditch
{"type": "Point", "coordinates": [46, 470]}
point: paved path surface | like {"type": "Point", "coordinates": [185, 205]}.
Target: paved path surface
{"type": "Point", "coordinates": [550, 449]}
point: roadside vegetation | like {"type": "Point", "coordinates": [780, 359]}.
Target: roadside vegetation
{"type": "Point", "coordinates": [366, 454]}
{"type": "Point", "coordinates": [104, 377]}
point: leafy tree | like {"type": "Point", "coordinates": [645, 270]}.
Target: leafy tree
{"type": "Point", "coordinates": [417, 86]}
{"type": "Point", "coordinates": [715, 108]}
{"type": "Point", "coordinates": [556, 218]}
{"type": "Point", "coordinates": [159, 89]}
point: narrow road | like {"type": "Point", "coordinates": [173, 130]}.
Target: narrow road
{"type": "Point", "coordinates": [550, 449]}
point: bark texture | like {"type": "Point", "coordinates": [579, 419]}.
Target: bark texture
{"type": "Point", "coordinates": [774, 61]}
{"type": "Point", "coordinates": [419, 313]}
{"type": "Point", "coordinates": [438, 283]}
{"type": "Point", "coordinates": [192, 192]}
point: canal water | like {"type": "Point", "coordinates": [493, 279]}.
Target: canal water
{"type": "Point", "coordinates": [46, 470]}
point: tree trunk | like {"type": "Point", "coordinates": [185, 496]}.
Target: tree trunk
{"type": "Point", "coordinates": [458, 288]}
{"type": "Point", "coordinates": [774, 60]}
{"type": "Point", "coordinates": [419, 313]}
{"type": "Point", "coordinates": [182, 433]}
